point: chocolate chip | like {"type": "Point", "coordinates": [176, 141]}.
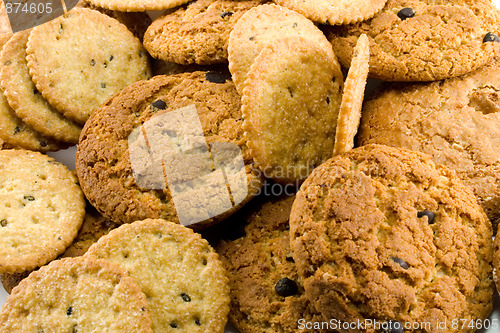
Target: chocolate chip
{"type": "Point", "coordinates": [159, 104]}
{"type": "Point", "coordinates": [491, 37]}
{"type": "Point", "coordinates": [215, 77]}
{"type": "Point", "coordinates": [3, 222]}
{"type": "Point", "coordinates": [29, 198]}
{"type": "Point", "coordinates": [289, 259]}
{"type": "Point", "coordinates": [286, 287]}
{"type": "Point", "coordinates": [226, 14]}
{"type": "Point", "coordinates": [430, 216]}
{"type": "Point", "coordinates": [69, 311]}
{"type": "Point", "coordinates": [185, 297]}
{"type": "Point", "coordinates": [400, 262]}
{"type": "Point", "coordinates": [406, 13]}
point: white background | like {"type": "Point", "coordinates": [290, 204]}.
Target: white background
{"type": "Point", "coordinates": [67, 157]}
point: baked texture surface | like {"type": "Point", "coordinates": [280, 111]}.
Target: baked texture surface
{"type": "Point", "coordinates": [103, 159]}
{"type": "Point", "coordinates": [290, 103]}
{"type": "Point", "coordinates": [334, 12]}
{"type": "Point", "coordinates": [76, 295]}
{"type": "Point", "coordinates": [421, 40]}
{"type": "Point", "coordinates": [41, 211]}
{"type": "Point", "coordinates": [456, 121]}
{"type": "Point", "coordinates": [256, 263]}
{"type": "Point", "coordinates": [264, 25]}
{"type": "Point", "coordinates": [25, 99]}
{"type": "Point", "coordinates": [78, 77]}
{"type": "Point", "coordinates": [181, 275]}
{"type": "Point", "coordinates": [197, 33]}
{"type": "Point", "coordinates": [384, 233]}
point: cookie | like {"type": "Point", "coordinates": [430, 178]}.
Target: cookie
{"type": "Point", "coordinates": [78, 77]}
{"type": "Point", "coordinates": [266, 291]}
{"type": "Point", "coordinates": [136, 22]}
{"type": "Point", "coordinates": [290, 104]}
{"type": "Point", "coordinates": [17, 133]}
{"type": "Point", "coordinates": [94, 227]}
{"type": "Point", "coordinates": [197, 33]}
{"type": "Point", "coordinates": [456, 121]}
{"type": "Point", "coordinates": [181, 275]}
{"type": "Point", "coordinates": [76, 295]}
{"type": "Point", "coordinates": [385, 234]}
{"type": "Point", "coordinates": [352, 98]}
{"type": "Point", "coordinates": [261, 26]}
{"type": "Point", "coordinates": [41, 212]}
{"type": "Point", "coordinates": [138, 5]}
{"type": "Point", "coordinates": [127, 189]}
{"type": "Point", "coordinates": [421, 40]}
{"type": "Point", "coordinates": [338, 12]}
{"type": "Point", "coordinates": [25, 99]}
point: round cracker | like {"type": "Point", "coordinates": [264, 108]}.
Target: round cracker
{"type": "Point", "coordinates": [41, 211]}
{"type": "Point", "coordinates": [352, 98]}
{"type": "Point", "coordinates": [25, 99]}
{"type": "Point", "coordinates": [290, 104]}
{"type": "Point", "coordinates": [261, 26]}
{"type": "Point", "coordinates": [181, 275]}
{"type": "Point", "coordinates": [76, 295]}
{"type": "Point", "coordinates": [138, 5]}
{"type": "Point", "coordinates": [76, 77]}
{"type": "Point", "coordinates": [334, 12]}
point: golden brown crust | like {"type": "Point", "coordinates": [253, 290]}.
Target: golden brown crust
{"type": "Point", "coordinates": [384, 233]}
{"type": "Point", "coordinates": [103, 160]}
{"type": "Point", "coordinates": [256, 262]}
{"type": "Point", "coordinates": [181, 275]}
{"type": "Point", "coordinates": [443, 39]}
{"type": "Point", "coordinates": [456, 121]}
{"type": "Point", "coordinates": [76, 294]}
{"type": "Point", "coordinates": [198, 33]}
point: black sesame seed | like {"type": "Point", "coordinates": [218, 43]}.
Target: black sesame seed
{"type": "Point", "coordinates": [92, 62]}
{"type": "Point", "coordinates": [103, 85]}
{"type": "Point", "coordinates": [3, 222]}
{"type": "Point", "coordinates": [226, 14]}
{"type": "Point", "coordinates": [197, 322]}
{"type": "Point", "coordinates": [143, 309]}
{"type": "Point", "coordinates": [69, 311]}
{"type": "Point", "coordinates": [35, 91]}
{"type": "Point", "coordinates": [294, 25]}
{"type": "Point", "coordinates": [430, 216]}
{"type": "Point", "coordinates": [111, 57]}
{"type": "Point", "coordinates": [75, 329]}
{"type": "Point", "coordinates": [406, 13]}
{"type": "Point", "coordinates": [43, 144]}
{"type": "Point", "coordinates": [400, 262]}
{"type": "Point", "coordinates": [215, 77]}
{"type": "Point", "coordinates": [17, 130]}
{"type": "Point", "coordinates": [290, 259]}
{"type": "Point", "coordinates": [105, 64]}
{"type": "Point", "coordinates": [491, 37]}
{"type": "Point", "coordinates": [159, 104]}
{"type": "Point", "coordinates": [252, 38]}
{"type": "Point", "coordinates": [185, 297]}
{"type": "Point", "coordinates": [29, 198]}
{"type": "Point", "coordinates": [173, 325]}
{"type": "Point", "coordinates": [327, 100]}
{"type": "Point", "coordinates": [286, 287]}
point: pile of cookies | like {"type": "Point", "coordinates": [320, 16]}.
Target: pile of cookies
{"type": "Point", "coordinates": [220, 173]}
